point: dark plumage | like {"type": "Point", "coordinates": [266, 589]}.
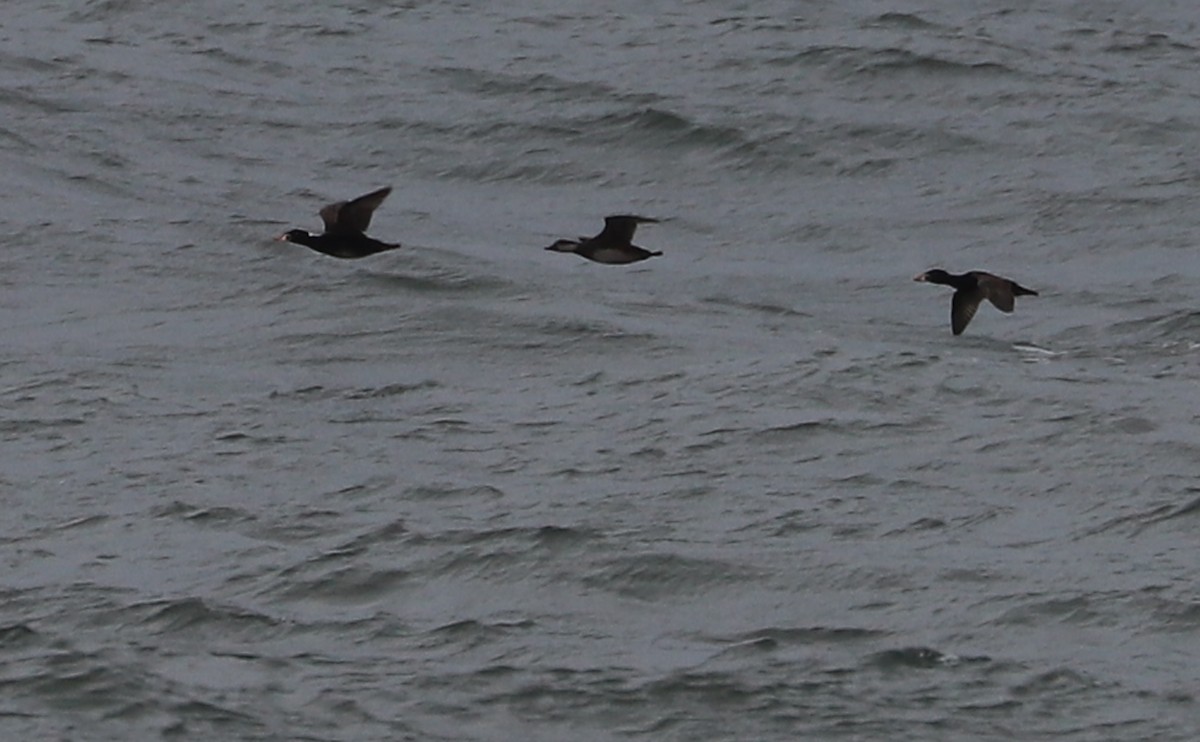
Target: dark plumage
{"type": "Point", "coordinates": [613, 246]}
{"type": "Point", "coordinates": [345, 225]}
{"type": "Point", "coordinates": [970, 289]}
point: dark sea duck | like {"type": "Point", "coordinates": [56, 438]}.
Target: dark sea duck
{"type": "Point", "coordinates": [346, 224]}
{"type": "Point", "coordinates": [970, 289]}
{"type": "Point", "coordinates": [613, 246]}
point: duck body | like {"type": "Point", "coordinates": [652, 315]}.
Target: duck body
{"type": "Point", "coordinates": [346, 224]}
{"type": "Point", "coordinates": [613, 246]}
{"type": "Point", "coordinates": [607, 255]}
{"type": "Point", "coordinates": [970, 289]}
{"type": "Point", "coordinates": [345, 246]}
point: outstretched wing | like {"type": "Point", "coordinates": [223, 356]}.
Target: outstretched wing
{"type": "Point", "coordinates": [962, 308]}
{"type": "Point", "coordinates": [997, 290]}
{"type": "Point", "coordinates": [353, 216]}
{"type": "Point", "coordinates": [618, 230]}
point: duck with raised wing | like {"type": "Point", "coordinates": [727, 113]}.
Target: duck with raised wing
{"type": "Point", "coordinates": [346, 224]}
{"type": "Point", "coordinates": [613, 246]}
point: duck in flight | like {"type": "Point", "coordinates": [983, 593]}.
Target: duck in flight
{"type": "Point", "coordinates": [613, 246]}
{"type": "Point", "coordinates": [970, 289]}
{"type": "Point", "coordinates": [346, 224]}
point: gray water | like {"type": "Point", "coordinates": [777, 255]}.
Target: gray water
{"type": "Point", "coordinates": [473, 490]}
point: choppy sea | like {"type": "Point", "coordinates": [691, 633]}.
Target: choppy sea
{"type": "Point", "coordinates": [473, 490]}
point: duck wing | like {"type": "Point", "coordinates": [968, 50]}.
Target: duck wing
{"type": "Point", "coordinates": [618, 230]}
{"type": "Point", "coordinates": [353, 216]}
{"type": "Point", "coordinates": [963, 306]}
{"type": "Point", "coordinates": [999, 291]}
